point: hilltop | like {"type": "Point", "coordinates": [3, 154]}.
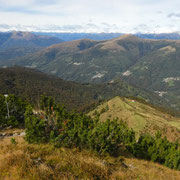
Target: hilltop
{"type": "Point", "coordinates": [21, 39]}
{"type": "Point", "coordinates": [139, 116]}
{"type": "Point", "coordinates": [86, 60]}
{"type": "Point", "coordinates": [16, 44]}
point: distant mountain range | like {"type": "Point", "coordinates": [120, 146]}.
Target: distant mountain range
{"type": "Point", "coordinates": [15, 44]}
{"type": "Point", "coordinates": [106, 36]}
{"type": "Point", "coordinates": [167, 36]}
{"type": "Point", "coordinates": [149, 64]}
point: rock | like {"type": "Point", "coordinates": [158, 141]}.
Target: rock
{"type": "Point", "coordinates": [9, 127]}
{"type": "Point", "coordinates": [124, 165]}
{"type": "Point", "coordinates": [22, 134]}
{"type": "Point", "coordinates": [16, 134]}
{"type": "Point", "coordinates": [132, 166]}
{"type": "Point", "coordinates": [106, 163]}
{"type": "Point", "coordinates": [38, 160]}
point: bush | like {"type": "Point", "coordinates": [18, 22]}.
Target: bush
{"type": "Point", "coordinates": [103, 110]}
{"type": "Point", "coordinates": [12, 111]}
{"type": "Point", "coordinates": [54, 124]}
{"type": "Point", "coordinates": [106, 137]}
{"type": "Point", "coordinates": [157, 149]}
{"type": "Point", "coordinates": [35, 127]}
{"type": "Point", "coordinates": [74, 131]}
{"type": "Point", "coordinates": [172, 160]}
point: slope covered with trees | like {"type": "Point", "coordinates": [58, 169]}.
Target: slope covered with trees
{"type": "Point", "coordinates": [149, 64]}
{"type": "Point", "coordinates": [29, 84]}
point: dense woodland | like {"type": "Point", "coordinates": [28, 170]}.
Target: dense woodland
{"type": "Point", "coordinates": [29, 84]}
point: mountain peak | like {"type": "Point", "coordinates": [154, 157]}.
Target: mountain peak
{"type": "Point", "coordinates": [22, 35]}
{"type": "Point", "coordinates": [128, 36]}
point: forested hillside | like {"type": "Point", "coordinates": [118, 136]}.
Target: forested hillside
{"type": "Point", "coordinates": [29, 84]}
{"type": "Point", "coordinates": [149, 64]}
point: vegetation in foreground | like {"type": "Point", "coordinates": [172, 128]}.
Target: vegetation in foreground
{"type": "Point", "coordinates": [12, 111]}
{"type": "Point", "coordinates": [44, 161]}
{"type": "Point", "coordinates": [52, 124]}
{"type": "Point", "coordinates": [63, 129]}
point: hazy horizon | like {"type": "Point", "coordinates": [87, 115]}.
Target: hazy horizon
{"type": "Point", "coordinates": [117, 16]}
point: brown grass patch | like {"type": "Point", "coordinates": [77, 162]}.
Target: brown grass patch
{"type": "Point", "coordinates": [36, 162]}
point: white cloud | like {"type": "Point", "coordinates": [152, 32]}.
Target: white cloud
{"type": "Point", "coordinates": [95, 15]}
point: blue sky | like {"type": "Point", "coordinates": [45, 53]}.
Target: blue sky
{"type": "Point", "coordinates": [126, 16]}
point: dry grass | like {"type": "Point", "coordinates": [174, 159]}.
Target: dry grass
{"type": "Point", "coordinates": [11, 131]}
{"type": "Point", "coordinates": [112, 45]}
{"type": "Point", "coordinates": [167, 50]}
{"type": "Point", "coordinates": [27, 161]}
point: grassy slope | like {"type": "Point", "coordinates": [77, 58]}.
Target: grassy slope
{"type": "Point", "coordinates": [27, 161]}
{"type": "Point", "coordinates": [141, 117]}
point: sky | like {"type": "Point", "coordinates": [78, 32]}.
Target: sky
{"type": "Point", "coordinates": [92, 16]}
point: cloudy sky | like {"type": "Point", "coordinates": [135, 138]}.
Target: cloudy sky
{"type": "Point", "coordinates": [125, 16]}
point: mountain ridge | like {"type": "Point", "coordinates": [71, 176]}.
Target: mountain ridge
{"type": "Point", "coordinates": [139, 116]}
{"type": "Point", "coordinates": [145, 63]}
{"type": "Point", "coordinates": [17, 44]}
